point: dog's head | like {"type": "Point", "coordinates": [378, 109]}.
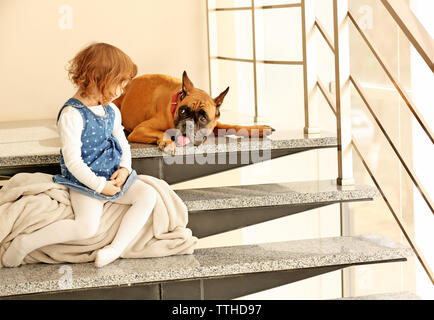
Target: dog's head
{"type": "Point", "coordinates": [196, 113]}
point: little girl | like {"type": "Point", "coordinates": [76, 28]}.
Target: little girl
{"type": "Point", "coordinates": [95, 159]}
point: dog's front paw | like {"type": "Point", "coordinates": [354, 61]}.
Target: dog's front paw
{"type": "Point", "coordinates": [167, 146]}
{"type": "Point", "coordinates": [262, 130]}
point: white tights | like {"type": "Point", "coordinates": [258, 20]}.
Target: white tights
{"type": "Point", "coordinates": [88, 211]}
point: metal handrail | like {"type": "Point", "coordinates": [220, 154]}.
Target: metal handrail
{"type": "Point", "coordinates": [413, 29]}
{"type": "Point", "coordinates": [255, 81]}
{"type": "Point", "coordinates": [412, 108]}
{"type": "Point", "coordinates": [351, 79]}
{"type": "Point", "coordinates": [401, 223]}
{"type": "Point", "coordinates": [285, 62]}
{"type": "Point", "coordinates": [410, 104]}
{"type": "Point", "coordinates": [410, 172]}
{"type": "Point", "coordinates": [397, 85]}
{"type": "Point", "coordinates": [275, 6]}
{"type": "Point", "coordinates": [325, 35]}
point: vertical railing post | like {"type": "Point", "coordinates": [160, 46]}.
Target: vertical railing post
{"type": "Point", "coordinates": [255, 81]}
{"type": "Point", "coordinates": [343, 117]}
{"type": "Point", "coordinates": [311, 124]}
{"type": "Point", "coordinates": [209, 48]}
{"type": "Point", "coordinates": [343, 94]}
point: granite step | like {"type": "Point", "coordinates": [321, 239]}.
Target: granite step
{"type": "Point", "coordinates": [220, 209]}
{"type": "Point", "coordinates": [34, 146]}
{"type": "Point", "coordinates": [177, 276]}
{"type": "Point", "coordinates": [386, 296]}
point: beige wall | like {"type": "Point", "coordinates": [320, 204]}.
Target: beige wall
{"type": "Point", "coordinates": [161, 37]}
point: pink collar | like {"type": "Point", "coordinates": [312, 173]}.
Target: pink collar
{"type": "Point", "coordinates": [174, 103]}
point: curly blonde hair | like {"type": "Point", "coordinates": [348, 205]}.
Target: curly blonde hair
{"type": "Point", "coordinates": [103, 67]}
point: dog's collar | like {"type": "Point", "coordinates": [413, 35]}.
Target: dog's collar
{"type": "Point", "coordinates": [174, 102]}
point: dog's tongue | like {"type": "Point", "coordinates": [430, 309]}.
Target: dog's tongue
{"type": "Point", "coordinates": [182, 140]}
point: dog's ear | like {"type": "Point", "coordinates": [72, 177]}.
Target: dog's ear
{"type": "Point", "coordinates": [219, 100]}
{"type": "Point", "coordinates": [187, 85]}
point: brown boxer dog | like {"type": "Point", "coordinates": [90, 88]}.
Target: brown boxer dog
{"type": "Point", "coordinates": [157, 108]}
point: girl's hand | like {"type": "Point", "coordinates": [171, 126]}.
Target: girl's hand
{"type": "Point", "coordinates": [110, 189]}
{"type": "Point", "coordinates": [119, 177]}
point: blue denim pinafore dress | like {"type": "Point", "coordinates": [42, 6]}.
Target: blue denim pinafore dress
{"type": "Point", "coordinates": [100, 151]}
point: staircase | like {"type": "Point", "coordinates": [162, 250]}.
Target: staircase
{"type": "Point", "coordinates": [211, 273]}
{"type": "Point", "coordinates": [214, 273]}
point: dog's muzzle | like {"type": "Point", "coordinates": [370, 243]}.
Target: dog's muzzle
{"type": "Point", "coordinates": [188, 128]}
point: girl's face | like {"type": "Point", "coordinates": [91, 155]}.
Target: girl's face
{"type": "Point", "coordinates": [120, 89]}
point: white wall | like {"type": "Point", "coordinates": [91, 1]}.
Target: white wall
{"type": "Point", "coordinates": [422, 84]}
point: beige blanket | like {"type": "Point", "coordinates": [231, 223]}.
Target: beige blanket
{"type": "Point", "coordinates": [30, 201]}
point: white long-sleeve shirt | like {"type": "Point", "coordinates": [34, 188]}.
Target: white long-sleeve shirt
{"type": "Point", "coordinates": [70, 126]}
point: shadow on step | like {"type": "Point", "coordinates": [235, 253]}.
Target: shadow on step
{"type": "Point", "coordinates": [210, 222]}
